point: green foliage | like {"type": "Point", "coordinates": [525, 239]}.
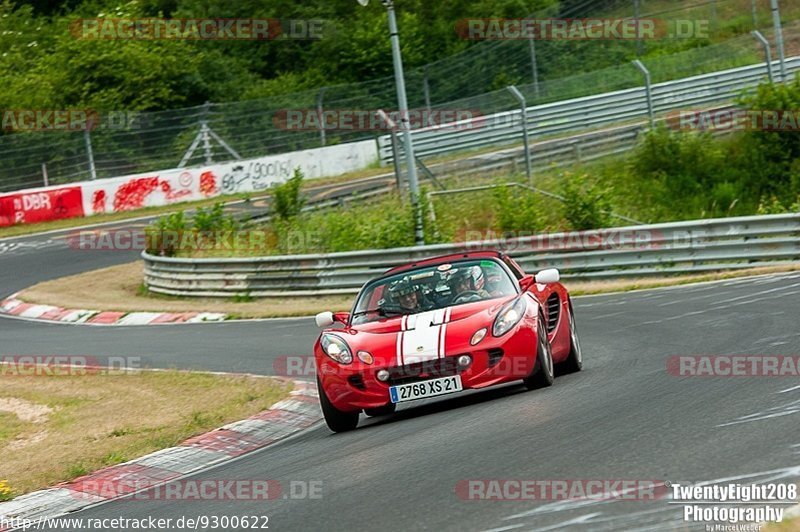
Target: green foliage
{"type": "Point", "coordinates": [517, 210]}
{"type": "Point", "coordinates": [77, 470]}
{"type": "Point", "coordinates": [773, 205]}
{"type": "Point", "coordinates": [62, 71]}
{"type": "Point", "coordinates": [771, 158]}
{"type": "Point", "coordinates": [155, 233]}
{"type": "Point", "coordinates": [686, 175]}
{"type": "Point", "coordinates": [209, 228]}
{"type": "Point", "coordinates": [686, 171]}
{"type": "Point", "coordinates": [214, 219]}
{"type": "Point", "coordinates": [586, 204]}
{"type": "Point", "coordinates": [384, 224]}
{"type": "Point", "coordinates": [287, 201]}
{"type": "Point", "coordinates": [770, 205]}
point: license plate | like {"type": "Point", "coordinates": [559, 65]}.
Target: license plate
{"type": "Point", "coordinates": [423, 389]}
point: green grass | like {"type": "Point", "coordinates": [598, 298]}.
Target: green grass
{"type": "Point", "coordinates": [10, 427]}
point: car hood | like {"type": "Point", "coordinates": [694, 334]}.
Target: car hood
{"type": "Point", "coordinates": [424, 336]}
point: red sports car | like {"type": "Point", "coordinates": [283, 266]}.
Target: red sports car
{"type": "Point", "coordinates": [440, 326]}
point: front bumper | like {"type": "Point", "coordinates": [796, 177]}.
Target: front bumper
{"type": "Point", "coordinates": [494, 361]}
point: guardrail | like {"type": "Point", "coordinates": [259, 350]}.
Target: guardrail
{"type": "Point", "coordinates": [581, 113]}
{"type": "Point", "coordinates": [634, 251]}
{"type": "Point", "coordinates": [582, 147]}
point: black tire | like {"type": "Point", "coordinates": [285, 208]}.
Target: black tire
{"type": "Point", "coordinates": [336, 420]}
{"type": "Point", "coordinates": [574, 361]}
{"type": "Point", "coordinates": [385, 410]}
{"type": "Point", "coordinates": [543, 372]}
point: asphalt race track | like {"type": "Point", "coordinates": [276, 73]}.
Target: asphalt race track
{"type": "Point", "coordinates": [623, 417]}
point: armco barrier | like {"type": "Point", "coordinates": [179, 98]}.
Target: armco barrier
{"type": "Point", "coordinates": [635, 251]}
{"type": "Point", "coordinates": [588, 112]}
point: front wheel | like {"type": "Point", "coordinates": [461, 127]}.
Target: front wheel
{"type": "Point", "coordinates": [574, 361]}
{"type": "Point", "coordinates": [336, 420]}
{"type": "Point", "coordinates": [543, 374]}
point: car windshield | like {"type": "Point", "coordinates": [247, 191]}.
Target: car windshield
{"type": "Point", "coordinates": [431, 288]}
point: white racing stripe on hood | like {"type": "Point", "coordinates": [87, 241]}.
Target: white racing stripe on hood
{"type": "Point", "coordinates": [422, 338]}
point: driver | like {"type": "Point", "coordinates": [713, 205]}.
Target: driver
{"type": "Point", "coordinates": [407, 296]}
{"type": "Point", "coordinates": [463, 283]}
{"type": "Point", "coordinates": [494, 284]}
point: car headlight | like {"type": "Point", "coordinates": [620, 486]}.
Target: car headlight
{"type": "Point", "coordinates": [509, 316]}
{"type": "Point", "coordinates": [336, 348]}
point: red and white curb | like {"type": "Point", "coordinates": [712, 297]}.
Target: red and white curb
{"type": "Point", "coordinates": [283, 419]}
{"type": "Point", "coordinates": [15, 307]}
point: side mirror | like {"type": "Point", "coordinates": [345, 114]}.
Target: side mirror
{"type": "Point", "coordinates": [324, 319]}
{"type": "Point", "coordinates": [549, 276]}
{"type": "Point", "coordinates": [327, 318]}
{"type": "Point", "coordinates": [526, 282]}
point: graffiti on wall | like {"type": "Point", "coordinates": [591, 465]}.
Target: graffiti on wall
{"type": "Point", "coordinates": [143, 190]}
{"type": "Point", "coordinates": [255, 175]}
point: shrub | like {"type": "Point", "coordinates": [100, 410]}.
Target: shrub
{"type": "Point", "coordinates": [382, 224]}
{"type": "Point", "coordinates": [169, 224]}
{"type": "Point", "coordinates": [586, 205]}
{"type": "Point", "coordinates": [517, 210]}
{"type": "Point", "coordinates": [688, 173]}
{"type": "Point", "coordinates": [771, 159]}
{"type": "Point", "coordinates": [286, 199]}
{"type": "Point", "coordinates": [207, 224]}
{"type": "Point", "coordinates": [213, 219]}
{"type": "Point", "coordinates": [770, 205]}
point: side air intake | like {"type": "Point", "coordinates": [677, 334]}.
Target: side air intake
{"type": "Point", "coordinates": [553, 312]}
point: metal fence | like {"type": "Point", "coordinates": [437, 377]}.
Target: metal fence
{"type": "Point", "coordinates": [582, 147]}
{"type": "Point", "coordinates": [588, 112]}
{"type": "Point", "coordinates": [624, 252]}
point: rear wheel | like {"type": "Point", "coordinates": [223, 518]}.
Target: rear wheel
{"type": "Point", "coordinates": [574, 361]}
{"type": "Point", "coordinates": [336, 420]}
{"type": "Point", "coordinates": [543, 374]}
{"type": "Point", "coordinates": [384, 410]}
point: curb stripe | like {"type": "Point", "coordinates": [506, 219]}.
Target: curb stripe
{"type": "Point", "coordinates": [15, 307]}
